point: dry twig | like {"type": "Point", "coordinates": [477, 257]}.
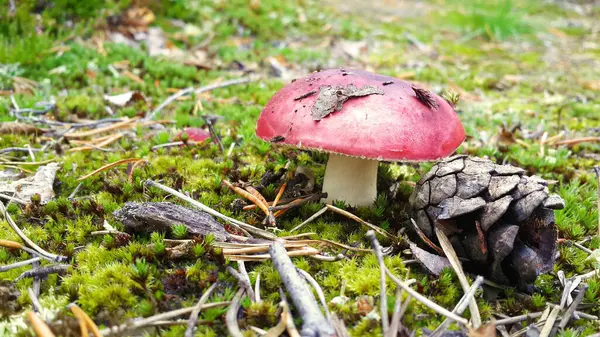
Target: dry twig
{"type": "Point", "coordinates": [197, 308]}
{"type": "Point", "coordinates": [385, 324]}
{"type": "Point", "coordinates": [314, 323]}
{"type": "Point", "coordinates": [462, 278]}
{"type": "Point", "coordinates": [349, 215]}
{"type": "Point", "coordinates": [39, 326]}
{"type": "Point", "coordinates": [111, 165]}
{"type": "Point", "coordinates": [231, 316]}
{"type": "Point", "coordinates": [236, 223]}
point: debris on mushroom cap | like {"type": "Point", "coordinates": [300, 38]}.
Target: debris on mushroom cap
{"type": "Point", "coordinates": [495, 216]}
{"type": "Point", "coordinates": [358, 113]}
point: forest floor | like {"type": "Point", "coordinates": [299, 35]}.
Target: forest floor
{"type": "Point", "coordinates": [528, 76]}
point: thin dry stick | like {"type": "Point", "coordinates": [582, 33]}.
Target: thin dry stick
{"type": "Point", "coordinates": [13, 199]}
{"type": "Point", "coordinates": [44, 162]}
{"type": "Point", "coordinates": [277, 330]}
{"type": "Point", "coordinates": [425, 238]}
{"type": "Point", "coordinates": [28, 241]}
{"type": "Point", "coordinates": [349, 215]}
{"type": "Point", "coordinates": [550, 322]}
{"type": "Point", "coordinates": [279, 194]}
{"type": "Point", "coordinates": [197, 91]}
{"type": "Point", "coordinates": [569, 313]}
{"type": "Point", "coordinates": [575, 141]}
{"type": "Point", "coordinates": [312, 217]}
{"type": "Point", "coordinates": [19, 264]}
{"type": "Point", "coordinates": [385, 324]}
{"type": "Point", "coordinates": [455, 263]}
{"type": "Point", "coordinates": [100, 145]}
{"type": "Point", "coordinates": [243, 282]}
{"type": "Point", "coordinates": [111, 165]}
{"type": "Point", "coordinates": [231, 316]}
{"type": "Point", "coordinates": [83, 134]}
{"type": "Point", "coordinates": [427, 302]}
{"type": "Point", "coordinates": [460, 307]}
{"type": "Point", "coordinates": [35, 302]}
{"type": "Point", "coordinates": [597, 171]}
{"type": "Point", "coordinates": [290, 326]}
{"type": "Point", "coordinates": [334, 244]}
{"type": "Point", "coordinates": [309, 251]}
{"type": "Point", "coordinates": [395, 321]}
{"type": "Point", "coordinates": [38, 325]}
{"type": "Point", "coordinates": [314, 323]}
{"type": "Point", "coordinates": [517, 319]}
{"type": "Point", "coordinates": [136, 324]}
{"type": "Point", "coordinates": [239, 224]}
{"type": "Point", "coordinates": [189, 332]}
{"type": "Point", "coordinates": [242, 268]}
{"type": "Point", "coordinates": [257, 288]}
{"type": "Point", "coordinates": [308, 277]}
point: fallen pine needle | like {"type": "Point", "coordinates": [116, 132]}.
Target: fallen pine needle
{"type": "Point", "coordinates": [575, 141]}
{"type": "Point", "coordinates": [88, 321]}
{"type": "Point", "coordinates": [101, 144]}
{"type": "Point", "coordinates": [111, 165]}
{"type": "Point", "coordinates": [39, 326]}
{"type": "Point", "coordinates": [116, 126]}
{"type": "Point", "coordinates": [349, 215]}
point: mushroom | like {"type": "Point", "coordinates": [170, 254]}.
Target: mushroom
{"type": "Point", "coordinates": [360, 118]}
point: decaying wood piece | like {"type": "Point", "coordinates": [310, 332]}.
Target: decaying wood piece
{"type": "Point", "coordinates": [149, 217]}
{"type": "Point", "coordinates": [314, 323]}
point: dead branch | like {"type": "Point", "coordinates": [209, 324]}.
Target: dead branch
{"type": "Point", "coordinates": [349, 215]}
{"type": "Point", "coordinates": [460, 307]}
{"type": "Point", "coordinates": [242, 281]}
{"type": "Point", "coordinates": [140, 323]}
{"type": "Point", "coordinates": [111, 165]}
{"type": "Point", "coordinates": [236, 223]}
{"type": "Point", "coordinates": [231, 316]}
{"type": "Point", "coordinates": [314, 323]}
{"type": "Point", "coordinates": [385, 324]}
{"type": "Point", "coordinates": [189, 331]}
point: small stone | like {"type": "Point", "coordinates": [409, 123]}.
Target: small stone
{"type": "Point", "coordinates": [442, 188]}
{"type": "Point", "coordinates": [451, 167]}
{"type": "Point", "coordinates": [554, 201]}
{"type": "Point", "coordinates": [493, 211]}
{"type": "Point", "coordinates": [456, 206]}
{"type": "Point", "coordinates": [502, 185]}
{"type": "Point", "coordinates": [470, 185]}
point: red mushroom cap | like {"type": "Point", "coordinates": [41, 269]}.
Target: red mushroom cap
{"type": "Point", "coordinates": [197, 135]}
{"type": "Point", "coordinates": [394, 122]}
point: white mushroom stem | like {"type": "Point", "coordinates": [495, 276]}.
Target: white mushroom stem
{"type": "Point", "coordinates": [351, 179]}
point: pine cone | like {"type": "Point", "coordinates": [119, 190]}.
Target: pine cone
{"type": "Point", "coordinates": [496, 217]}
